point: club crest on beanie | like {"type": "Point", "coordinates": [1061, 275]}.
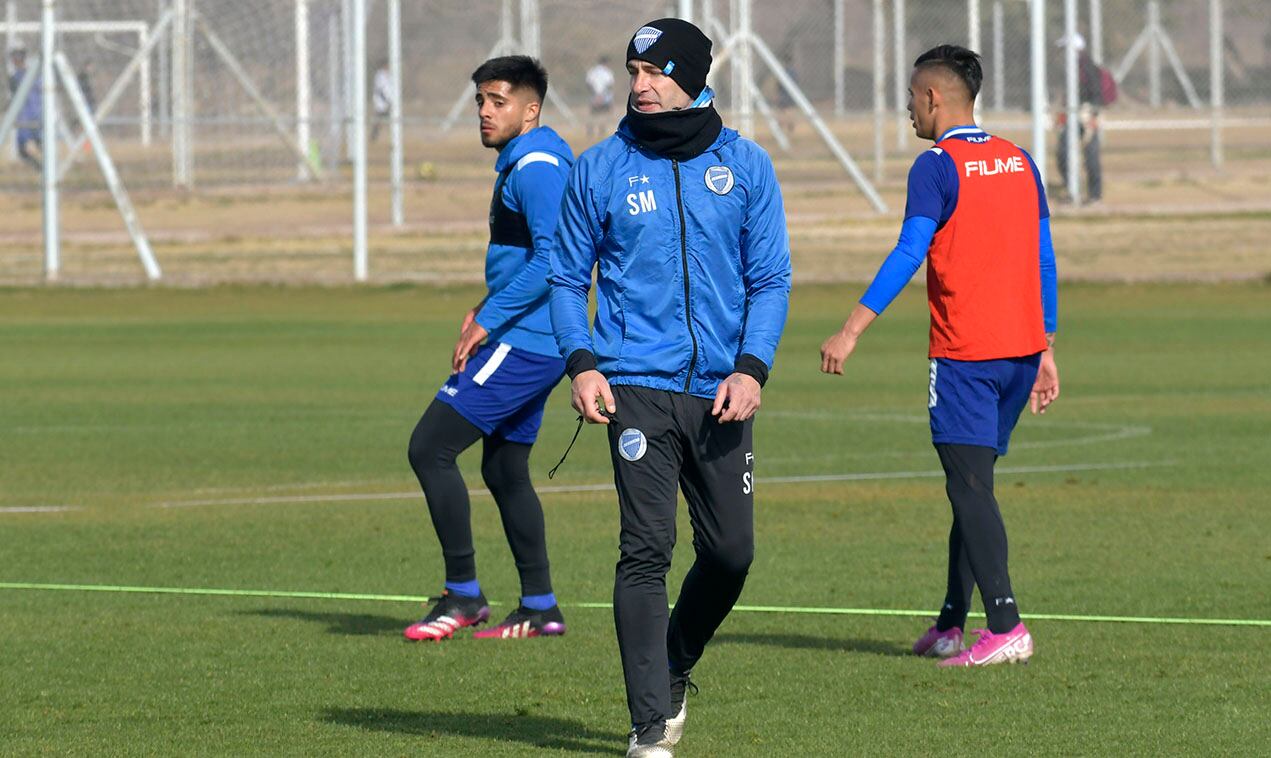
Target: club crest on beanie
{"type": "Point", "coordinates": [676, 47]}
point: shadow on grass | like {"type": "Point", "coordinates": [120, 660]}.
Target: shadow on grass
{"type": "Point", "coordinates": [807, 642]}
{"type": "Point", "coordinates": [541, 732]}
{"type": "Point", "coordinates": [340, 623]}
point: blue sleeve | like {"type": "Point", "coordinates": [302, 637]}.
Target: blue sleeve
{"type": "Point", "coordinates": [915, 239]}
{"type": "Point", "coordinates": [1043, 207]}
{"type": "Point", "coordinates": [535, 191]}
{"type": "Point", "coordinates": [765, 261]}
{"type": "Point", "coordinates": [1050, 285]}
{"type": "Point", "coordinates": [932, 188]}
{"type": "Point", "coordinates": [573, 256]}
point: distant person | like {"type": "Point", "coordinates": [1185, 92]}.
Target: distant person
{"type": "Point", "coordinates": [381, 98]}
{"type": "Point", "coordinates": [84, 78]}
{"type": "Point", "coordinates": [31, 112]}
{"type": "Point", "coordinates": [504, 366]}
{"type": "Point", "coordinates": [977, 214]}
{"type": "Point", "coordinates": [600, 83]}
{"type": "Point", "coordinates": [1095, 89]}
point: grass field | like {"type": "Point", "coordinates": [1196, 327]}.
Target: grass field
{"type": "Point", "coordinates": [254, 439]}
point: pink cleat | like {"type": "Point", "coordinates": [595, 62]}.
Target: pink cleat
{"type": "Point", "coordinates": [1015, 646]}
{"type": "Point", "coordinates": [451, 613]}
{"type": "Point", "coordinates": [937, 644]}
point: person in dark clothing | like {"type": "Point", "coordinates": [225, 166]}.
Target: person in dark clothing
{"type": "Point", "coordinates": [30, 114]}
{"type": "Point", "coordinates": [691, 306]}
{"type": "Point", "coordinates": [1090, 94]}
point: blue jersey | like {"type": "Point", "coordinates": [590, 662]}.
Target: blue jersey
{"type": "Point", "coordinates": [532, 170]}
{"type": "Point", "coordinates": [693, 263]}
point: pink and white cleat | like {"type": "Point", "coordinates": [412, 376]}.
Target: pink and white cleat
{"type": "Point", "coordinates": [1015, 646]}
{"type": "Point", "coordinates": [524, 623]}
{"type": "Point", "coordinates": [937, 644]}
{"type": "Point", "coordinates": [451, 612]}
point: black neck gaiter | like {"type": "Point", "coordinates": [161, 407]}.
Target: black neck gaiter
{"type": "Point", "coordinates": [677, 135]}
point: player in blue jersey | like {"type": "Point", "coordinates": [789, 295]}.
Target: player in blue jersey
{"type": "Point", "coordinates": [30, 112]}
{"type": "Point", "coordinates": [977, 214]}
{"type": "Point", "coordinates": [504, 365]}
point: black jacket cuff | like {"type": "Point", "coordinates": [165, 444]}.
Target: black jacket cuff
{"type": "Point", "coordinates": [751, 366]}
{"type": "Point", "coordinates": [579, 361]}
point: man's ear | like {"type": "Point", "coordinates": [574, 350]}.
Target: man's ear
{"type": "Point", "coordinates": [934, 99]}
{"type": "Point", "coordinates": [532, 111]}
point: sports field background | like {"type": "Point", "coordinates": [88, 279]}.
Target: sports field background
{"type": "Point", "coordinates": [285, 412]}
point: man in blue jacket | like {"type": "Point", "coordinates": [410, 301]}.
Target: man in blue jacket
{"type": "Point", "coordinates": [504, 365]}
{"type": "Point", "coordinates": [685, 222]}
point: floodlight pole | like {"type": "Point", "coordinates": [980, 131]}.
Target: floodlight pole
{"type": "Point", "coordinates": [1216, 83]}
{"type": "Point", "coordinates": [973, 25]}
{"type": "Point", "coordinates": [359, 140]}
{"type": "Point", "coordinates": [902, 83]}
{"type": "Point", "coordinates": [1037, 66]}
{"type": "Point", "coordinates": [180, 36]}
{"type": "Point", "coordinates": [346, 47]}
{"type": "Point", "coordinates": [48, 144]}
{"type": "Point", "coordinates": [840, 59]}
{"type": "Point", "coordinates": [973, 41]}
{"type": "Point", "coordinates": [10, 37]}
{"type": "Point", "coordinates": [880, 87]}
{"type": "Point", "coordinates": [395, 107]}
{"type": "Point", "coordinates": [745, 66]}
{"type": "Point", "coordinates": [1154, 55]}
{"type": "Point", "coordinates": [335, 96]}
{"type": "Point", "coordinates": [165, 77]}
{"type": "Point", "coordinates": [303, 94]}
{"type": "Point", "coordinates": [1073, 132]}
{"type": "Point", "coordinates": [1096, 31]}
{"type": "Point", "coordinates": [999, 58]}
{"type": "Point", "coordinates": [143, 85]}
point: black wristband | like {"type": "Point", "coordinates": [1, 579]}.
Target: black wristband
{"type": "Point", "coordinates": [753, 367]}
{"type": "Point", "coordinates": [579, 361]}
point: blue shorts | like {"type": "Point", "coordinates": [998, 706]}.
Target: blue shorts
{"type": "Point", "coordinates": [503, 389]}
{"type": "Point", "coordinates": [28, 135]}
{"type": "Point", "coordinates": [979, 402]}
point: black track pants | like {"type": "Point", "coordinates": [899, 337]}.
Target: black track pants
{"type": "Point", "coordinates": [661, 440]}
{"type": "Point", "coordinates": [439, 437]}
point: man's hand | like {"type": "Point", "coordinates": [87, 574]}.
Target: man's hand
{"type": "Point", "coordinates": [1046, 388]}
{"type": "Point", "coordinates": [470, 340]}
{"type": "Point", "coordinates": [835, 351]}
{"type": "Point", "coordinates": [588, 387]}
{"type": "Point", "coordinates": [737, 398]}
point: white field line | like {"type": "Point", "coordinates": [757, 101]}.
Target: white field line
{"type": "Point", "coordinates": [39, 509]}
{"type": "Point", "coordinates": [1102, 432]}
{"type": "Point", "coordinates": [854, 477]}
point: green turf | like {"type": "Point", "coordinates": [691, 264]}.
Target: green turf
{"type": "Point", "coordinates": [116, 402]}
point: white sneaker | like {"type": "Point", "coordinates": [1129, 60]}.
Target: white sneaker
{"type": "Point", "coordinates": [650, 741]}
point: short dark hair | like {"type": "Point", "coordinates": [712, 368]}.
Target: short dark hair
{"type": "Point", "coordinates": [957, 60]}
{"type": "Point", "coordinates": [517, 70]}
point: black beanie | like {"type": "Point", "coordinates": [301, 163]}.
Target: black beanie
{"type": "Point", "coordinates": [678, 48]}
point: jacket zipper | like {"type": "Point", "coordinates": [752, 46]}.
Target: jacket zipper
{"type": "Point", "coordinates": [688, 302]}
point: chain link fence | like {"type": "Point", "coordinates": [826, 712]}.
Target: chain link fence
{"type": "Point", "coordinates": [240, 171]}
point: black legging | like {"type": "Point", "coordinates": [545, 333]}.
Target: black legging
{"type": "Point", "coordinates": [977, 541]}
{"type": "Point", "coordinates": [439, 437]}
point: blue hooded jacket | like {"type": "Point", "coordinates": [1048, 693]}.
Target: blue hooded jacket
{"type": "Point", "coordinates": [515, 310]}
{"type": "Point", "coordinates": [694, 263]}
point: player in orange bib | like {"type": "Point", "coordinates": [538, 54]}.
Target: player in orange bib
{"type": "Point", "coordinates": [977, 213]}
